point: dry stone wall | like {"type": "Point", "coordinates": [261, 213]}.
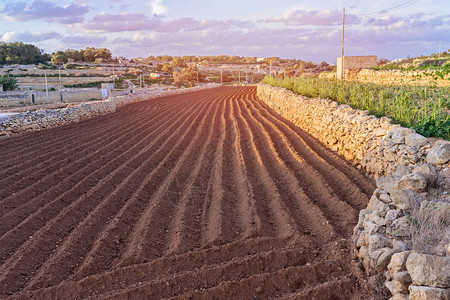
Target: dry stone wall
{"type": "Point", "coordinates": [392, 77]}
{"type": "Point", "coordinates": [398, 77]}
{"type": "Point", "coordinates": [47, 118]}
{"type": "Point", "coordinates": [408, 169]}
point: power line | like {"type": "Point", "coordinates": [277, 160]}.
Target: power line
{"type": "Point", "coordinates": [384, 11]}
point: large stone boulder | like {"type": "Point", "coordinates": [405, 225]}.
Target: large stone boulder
{"type": "Point", "coordinates": [415, 139]}
{"type": "Point", "coordinates": [414, 181]}
{"type": "Point", "coordinates": [429, 270]}
{"type": "Point", "coordinates": [428, 293]}
{"type": "Point", "coordinates": [439, 154]}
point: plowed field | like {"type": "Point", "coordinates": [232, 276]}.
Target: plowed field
{"type": "Point", "coordinates": [196, 196]}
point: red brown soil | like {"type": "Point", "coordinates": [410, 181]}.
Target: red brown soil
{"type": "Point", "coordinates": [206, 195]}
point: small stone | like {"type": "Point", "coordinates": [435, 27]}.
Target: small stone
{"type": "Point", "coordinates": [403, 199]}
{"type": "Point", "coordinates": [400, 227]}
{"type": "Point", "coordinates": [392, 215]}
{"type": "Point", "coordinates": [403, 170]}
{"type": "Point", "coordinates": [396, 287]}
{"type": "Point", "coordinates": [439, 154]}
{"type": "Point", "coordinates": [375, 255]}
{"type": "Point", "coordinates": [400, 296]}
{"type": "Point", "coordinates": [403, 277]}
{"type": "Point", "coordinates": [429, 270]}
{"type": "Point", "coordinates": [415, 139]}
{"type": "Point", "coordinates": [371, 228]}
{"type": "Point", "coordinates": [363, 252]}
{"type": "Point", "coordinates": [428, 171]}
{"type": "Point", "coordinates": [399, 245]}
{"type": "Point", "coordinates": [384, 260]}
{"type": "Point", "coordinates": [414, 181]}
{"type": "Point", "coordinates": [374, 203]}
{"type": "Point", "coordinates": [398, 262]}
{"type": "Point", "coordinates": [378, 241]}
{"type": "Point", "coordinates": [428, 293]}
{"type": "Point", "coordinates": [398, 134]}
{"type": "Point", "coordinates": [385, 198]}
{"type": "Point", "coordinates": [388, 183]}
{"type": "Point", "coordinates": [380, 132]}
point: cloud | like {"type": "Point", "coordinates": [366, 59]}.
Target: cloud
{"type": "Point", "coordinates": [158, 8]}
{"type": "Point", "coordinates": [84, 40]}
{"type": "Point", "coordinates": [41, 9]}
{"type": "Point", "coordinates": [29, 37]}
{"type": "Point", "coordinates": [325, 17]}
{"type": "Point", "coordinates": [104, 22]}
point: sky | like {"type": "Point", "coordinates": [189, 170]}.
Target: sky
{"type": "Point", "coordinates": [302, 29]}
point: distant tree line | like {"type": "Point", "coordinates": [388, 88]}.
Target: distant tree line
{"type": "Point", "coordinates": [89, 54]}
{"type": "Point", "coordinates": [20, 53]}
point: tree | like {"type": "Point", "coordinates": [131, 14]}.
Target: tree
{"type": "Point", "coordinates": [167, 68]}
{"type": "Point", "coordinates": [20, 53]}
{"type": "Point", "coordinates": [59, 58]}
{"type": "Point", "coordinates": [289, 72]}
{"type": "Point", "coordinates": [9, 83]}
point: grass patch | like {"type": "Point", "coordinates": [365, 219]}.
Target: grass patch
{"type": "Point", "coordinates": [429, 224]}
{"type": "Point", "coordinates": [424, 109]}
{"type": "Point", "coordinates": [94, 84]}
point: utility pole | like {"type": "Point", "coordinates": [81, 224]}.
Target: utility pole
{"type": "Point", "coordinates": [270, 67]}
{"type": "Point", "coordinates": [440, 48]}
{"type": "Point", "coordinates": [221, 79]}
{"type": "Point", "coordinates": [60, 85]}
{"type": "Point", "coordinates": [46, 86]}
{"type": "Point", "coordinates": [239, 76]}
{"type": "Point", "coordinates": [114, 79]}
{"type": "Point", "coordinates": [342, 50]}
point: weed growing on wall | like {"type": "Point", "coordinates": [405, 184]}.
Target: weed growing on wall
{"type": "Point", "coordinates": [425, 109]}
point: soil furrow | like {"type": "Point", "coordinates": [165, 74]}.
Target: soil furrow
{"type": "Point", "coordinates": [332, 162]}
{"type": "Point", "coordinates": [60, 187]}
{"type": "Point", "coordinates": [185, 231]}
{"type": "Point", "coordinates": [150, 228]}
{"type": "Point", "coordinates": [79, 162]}
{"type": "Point", "coordinates": [313, 186]}
{"type": "Point", "coordinates": [40, 242]}
{"type": "Point", "coordinates": [203, 195]}
{"type": "Point", "coordinates": [38, 142]}
{"type": "Point", "coordinates": [110, 243]}
{"type": "Point", "coordinates": [81, 238]}
{"type": "Point", "coordinates": [20, 170]}
{"type": "Point", "coordinates": [266, 282]}
{"type": "Point", "coordinates": [274, 215]}
{"type": "Point", "coordinates": [77, 150]}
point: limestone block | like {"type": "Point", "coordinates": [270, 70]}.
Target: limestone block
{"type": "Point", "coordinates": [378, 241]}
{"type": "Point", "coordinates": [403, 199]}
{"type": "Point", "coordinates": [388, 183]}
{"type": "Point", "coordinates": [428, 293]}
{"type": "Point", "coordinates": [439, 154]}
{"type": "Point", "coordinates": [415, 139]}
{"type": "Point", "coordinates": [413, 181]}
{"type": "Point", "coordinates": [429, 270]}
{"type": "Point", "coordinates": [384, 260]}
{"type": "Point", "coordinates": [428, 171]}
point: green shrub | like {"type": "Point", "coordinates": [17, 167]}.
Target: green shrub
{"type": "Point", "coordinates": [421, 108]}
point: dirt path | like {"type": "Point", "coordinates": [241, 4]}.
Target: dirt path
{"type": "Point", "coordinates": [202, 195]}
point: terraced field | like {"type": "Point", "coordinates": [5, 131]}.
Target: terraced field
{"type": "Point", "coordinates": [205, 195]}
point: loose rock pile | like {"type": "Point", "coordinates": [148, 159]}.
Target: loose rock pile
{"type": "Point", "coordinates": [47, 118]}
{"type": "Point", "coordinates": [409, 170]}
